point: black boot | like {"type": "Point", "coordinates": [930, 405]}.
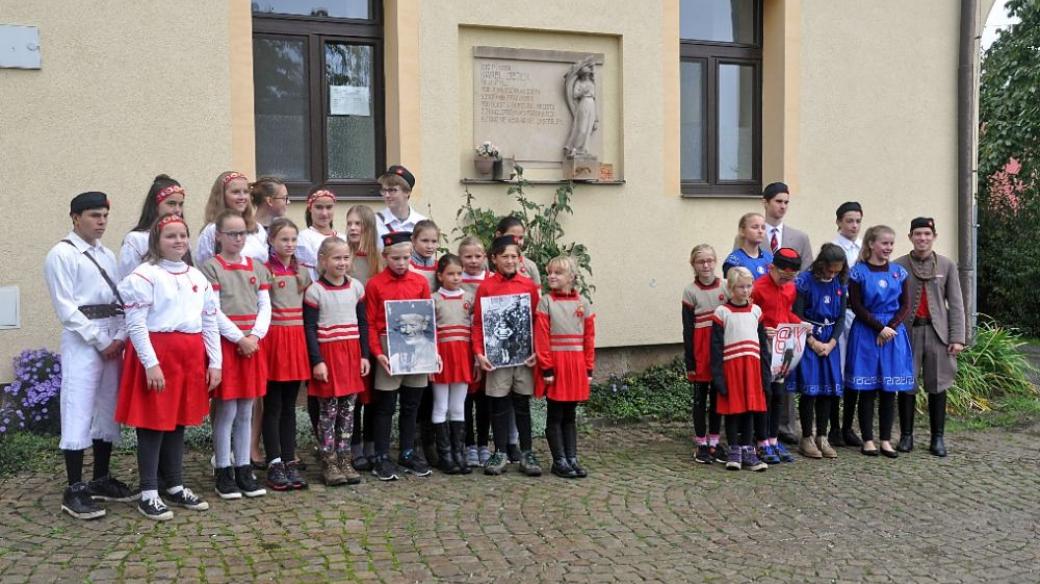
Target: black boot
{"type": "Point", "coordinates": [445, 462]}
{"type": "Point", "coordinates": [457, 432]}
{"type": "Point", "coordinates": [428, 440]}
{"type": "Point", "coordinates": [937, 420]}
{"type": "Point", "coordinates": [560, 466]}
{"type": "Point", "coordinates": [570, 447]}
{"type": "Point", "coordinates": [906, 403]}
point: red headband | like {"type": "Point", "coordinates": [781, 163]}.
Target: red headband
{"type": "Point", "coordinates": [169, 220]}
{"type": "Point", "coordinates": [168, 192]}
{"type": "Point", "coordinates": [232, 176]}
{"type": "Point", "coordinates": [319, 195]}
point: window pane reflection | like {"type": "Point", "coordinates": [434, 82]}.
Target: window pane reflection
{"type": "Point", "coordinates": [691, 120]}
{"type": "Point", "coordinates": [350, 118]}
{"type": "Point", "coordinates": [722, 21]}
{"type": "Point", "coordinates": [736, 121]}
{"type": "Point", "coordinates": [280, 106]}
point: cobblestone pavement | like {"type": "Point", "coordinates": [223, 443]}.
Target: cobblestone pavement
{"type": "Point", "coordinates": [646, 513]}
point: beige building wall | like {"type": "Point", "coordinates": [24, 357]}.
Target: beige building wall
{"type": "Point", "coordinates": [859, 103]}
{"type": "Point", "coordinates": [127, 90]}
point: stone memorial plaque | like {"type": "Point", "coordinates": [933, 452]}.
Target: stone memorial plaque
{"type": "Point", "coordinates": [519, 103]}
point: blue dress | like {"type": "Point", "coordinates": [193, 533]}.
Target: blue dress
{"type": "Point", "coordinates": [889, 367]}
{"type": "Point", "coordinates": [823, 305]}
{"type": "Point", "coordinates": [757, 266]}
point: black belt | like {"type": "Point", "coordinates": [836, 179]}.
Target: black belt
{"type": "Point", "coordinates": [922, 320]}
{"type": "Point", "coordinates": [98, 311]}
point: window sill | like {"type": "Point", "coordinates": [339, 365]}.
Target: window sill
{"type": "Point", "coordinates": [502, 181]}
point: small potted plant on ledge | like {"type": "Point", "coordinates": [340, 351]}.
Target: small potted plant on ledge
{"type": "Point", "coordinates": [484, 161]}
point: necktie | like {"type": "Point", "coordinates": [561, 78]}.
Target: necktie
{"type": "Point", "coordinates": [773, 243]}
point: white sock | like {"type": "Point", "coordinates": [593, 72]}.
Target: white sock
{"type": "Point", "coordinates": [175, 490]}
{"type": "Point", "coordinates": [276, 461]}
{"type": "Point", "coordinates": [150, 494]}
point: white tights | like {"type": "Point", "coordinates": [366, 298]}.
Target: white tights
{"type": "Point", "coordinates": [449, 402]}
{"type": "Point", "coordinates": [231, 428]}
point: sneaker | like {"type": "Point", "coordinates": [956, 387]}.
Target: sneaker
{"type": "Point", "coordinates": [768, 454]}
{"type": "Point", "coordinates": [529, 464]}
{"type": "Point", "coordinates": [247, 482]}
{"type": "Point", "coordinates": [411, 462]}
{"type": "Point", "coordinates": [77, 502]}
{"type": "Point", "coordinates": [483, 455]}
{"type": "Point", "coordinates": [294, 476]}
{"type": "Point", "coordinates": [361, 463]}
{"type": "Point", "coordinates": [733, 458]}
{"type": "Point", "coordinates": [720, 453]}
{"type": "Point", "coordinates": [111, 489]}
{"type": "Point", "coordinates": [783, 453]}
{"type": "Point", "coordinates": [496, 464]}
{"type": "Point", "coordinates": [276, 478]}
{"type": "Point", "coordinates": [750, 460]}
{"type": "Point", "coordinates": [384, 469]}
{"type": "Point", "coordinates": [472, 456]}
{"type": "Point", "coordinates": [155, 509]}
{"type": "Point", "coordinates": [703, 454]}
{"type": "Point", "coordinates": [187, 499]}
{"type": "Point", "coordinates": [226, 486]}
{"type": "Point", "coordinates": [826, 450]}
{"type": "Point", "coordinates": [807, 448]}
{"type": "Point", "coordinates": [561, 468]}
{"type": "Point", "coordinates": [514, 453]}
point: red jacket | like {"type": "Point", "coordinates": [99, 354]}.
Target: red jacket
{"type": "Point", "coordinates": [498, 285]}
{"type": "Point", "coordinates": [776, 301]}
{"type": "Point", "coordinates": [384, 286]}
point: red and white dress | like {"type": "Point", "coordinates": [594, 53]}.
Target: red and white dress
{"type": "Point", "coordinates": [454, 313]}
{"type": "Point", "coordinates": [244, 303]}
{"type": "Point", "coordinates": [565, 343]}
{"type": "Point", "coordinates": [171, 320]}
{"type": "Point", "coordinates": [738, 358]}
{"type": "Point", "coordinates": [285, 345]}
{"type": "Point", "coordinates": [699, 302]}
{"type": "Point", "coordinates": [334, 336]}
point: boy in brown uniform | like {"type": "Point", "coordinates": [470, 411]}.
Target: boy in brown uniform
{"type": "Point", "coordinates": [937, 325]}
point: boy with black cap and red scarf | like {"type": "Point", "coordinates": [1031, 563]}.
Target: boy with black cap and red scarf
{"type": "Point", "coordinates": [937, 324]}
{"type": "Point", "coordinates": [775, 293]}
{"type": "Point", "coordinates": [79, 271]}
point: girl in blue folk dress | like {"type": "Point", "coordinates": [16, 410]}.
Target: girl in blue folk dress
{"type": "Point", "coordinates": [878, 357]}
{"type": "Point", "coordinates": [821, 301]}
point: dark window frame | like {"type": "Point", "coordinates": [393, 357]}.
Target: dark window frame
{"type": "Point", "coordinates": [714, 54]}
{"type": "Point", "coordinates": [316, 31]}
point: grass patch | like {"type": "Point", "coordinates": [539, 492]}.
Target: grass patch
{"type": "Point", "coordinates": [1009, 413]}
{"type": "Point", "coordinates": [23, 451]}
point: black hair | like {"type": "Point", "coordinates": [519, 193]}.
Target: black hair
{"type": "Point", "coordinates": [446, 260]}
{"type": "Point", "coordinates": [500, 244]}
{"type": "Point", "coordinates": [830, 254]}
{"type": "Point", "coordinates": [508, 222]}
{"type": "Point", "coordinates": [150, 208]}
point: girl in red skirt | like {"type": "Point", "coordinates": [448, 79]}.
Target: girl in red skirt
{"type": "Point", "coordinates": [337, 343]}
{"type": "Point", "coordinates": [244, 301]}
{"type": "Point", "coordinates": [740, 367]}
{"type": "Point", "coordinates": [565, 343]}
{"type": "Point", "coordinates": [361, 235]}
{"type": "Point", "coordinates": [285, 348]}
{"type": "Point", "coordinates": [454, 306]}
{"type": "Point", "coordinates": [171, 319]}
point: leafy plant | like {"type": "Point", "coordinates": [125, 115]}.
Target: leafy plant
{"type": "Point", "coordinates": [26, 451]}
{"type": "Point", "coordinates": [542, 241]}
{"type": "Point", "coordinates": [991, 369]}
{"type": "Point", "coordinates": [30, 403]}
{"type": "Point", "coordinates": [487, 150]}
{"type": "Point", "coordinates": [660, 392]}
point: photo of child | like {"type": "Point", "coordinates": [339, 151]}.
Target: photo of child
{"type": "Point", "coordinates": [411, 337]}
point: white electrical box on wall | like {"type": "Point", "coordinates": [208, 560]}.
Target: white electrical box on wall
{"type": "Point", "coordinates": [10, 315]}
{"type": "Point", "coordinates": [19, 47]}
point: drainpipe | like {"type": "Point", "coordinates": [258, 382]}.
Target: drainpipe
{"type": "Point", "coordinates": [967, 223]}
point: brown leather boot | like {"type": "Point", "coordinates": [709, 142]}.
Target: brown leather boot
{"type": "Point", "coordinates": [346, 467]}
{"type": "Point", "coordinates": [330, 472]}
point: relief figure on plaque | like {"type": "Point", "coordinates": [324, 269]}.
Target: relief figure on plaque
{"type": "Point", "coordinates": [580, 92]}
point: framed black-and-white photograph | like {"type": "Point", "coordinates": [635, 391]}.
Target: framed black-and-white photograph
{"type": "Point", "coordinates": [411, 336]}
{"type": "Point", "coordinates": [508, 330]}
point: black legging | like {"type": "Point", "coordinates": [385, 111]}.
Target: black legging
{"type": "Point", "coordinates": [809, 405]}
{"type": "Point", "coordinates": [767, 424]}
{"type": "Point", "coordinates": [705, 405]}
{"type": "Point", "coordinates": [518, 406]}
{"type": "Point", "coordinates": [160, 451]}
{"type": "Point", "coordinates": [478, 428]}
{"type": "Point", "coordinates": [739, 429]}
{"type": "Point", "coordinates": [363, 424]}
{"type": "Point", "coordinates": [383, 404]}
{"type": "Point", "coordinates": [561, 413]}
{"type": "Point", "coordinates": [279, 421]}
{"type": "Point", "coordinates": [849, 409]}
{"type": "Point", "coordinates": [886, 412]}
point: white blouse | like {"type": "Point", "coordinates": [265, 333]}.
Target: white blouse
{"type": "Point", "coordinates": [307, 244]}
{"type": "Point", "coordinates": [169, 297]}
{"type": "Point", "coordinates": [255, 247]}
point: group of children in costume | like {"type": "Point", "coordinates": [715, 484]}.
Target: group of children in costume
{"type": "Point", "coordinates": [234, 328]}
{"type": "Point", "coordinates": [853, 308]}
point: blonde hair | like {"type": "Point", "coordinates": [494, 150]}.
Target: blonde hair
{"type": "Point", "coordinates": [564, 261]}
{"type": "Point", "coordinates": [392, 180]}
{"type": "Point", "coordinates": [216, 203]}
{"type": "Point", "coordinates": [735, 275]}
{"type": "Point", "coordinates": [369, 236]}
{"type": "Point", "coordinates": [326, 248]}
{"type": "Point", "coordinates": [424, 225]}
{"type": "Point", "coordinates": [702, 248]}
{"type": "Point", "coordinates": [871, 236]}
{"type": "Point", "coordinates": [471, 241]}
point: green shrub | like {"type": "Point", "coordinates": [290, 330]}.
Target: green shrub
{"type": "Point", "coordinates": [26, 451]}
{"type": "Point", "coordinates": [660, 392]}
{"type": "Point", "coordinates": [993, 368]}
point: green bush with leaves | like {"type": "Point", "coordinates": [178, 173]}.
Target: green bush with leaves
{"type": "Point", "coordinates": [545, 233]}
{"type": "Point", "coordinates": [660, 392]}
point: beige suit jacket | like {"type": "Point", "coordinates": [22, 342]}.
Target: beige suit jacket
{"type": "Point", "coordinates": [945, 302]}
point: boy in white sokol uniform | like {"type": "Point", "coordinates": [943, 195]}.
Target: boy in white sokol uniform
{"type": "Point", "coordinates": [79, 270]}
